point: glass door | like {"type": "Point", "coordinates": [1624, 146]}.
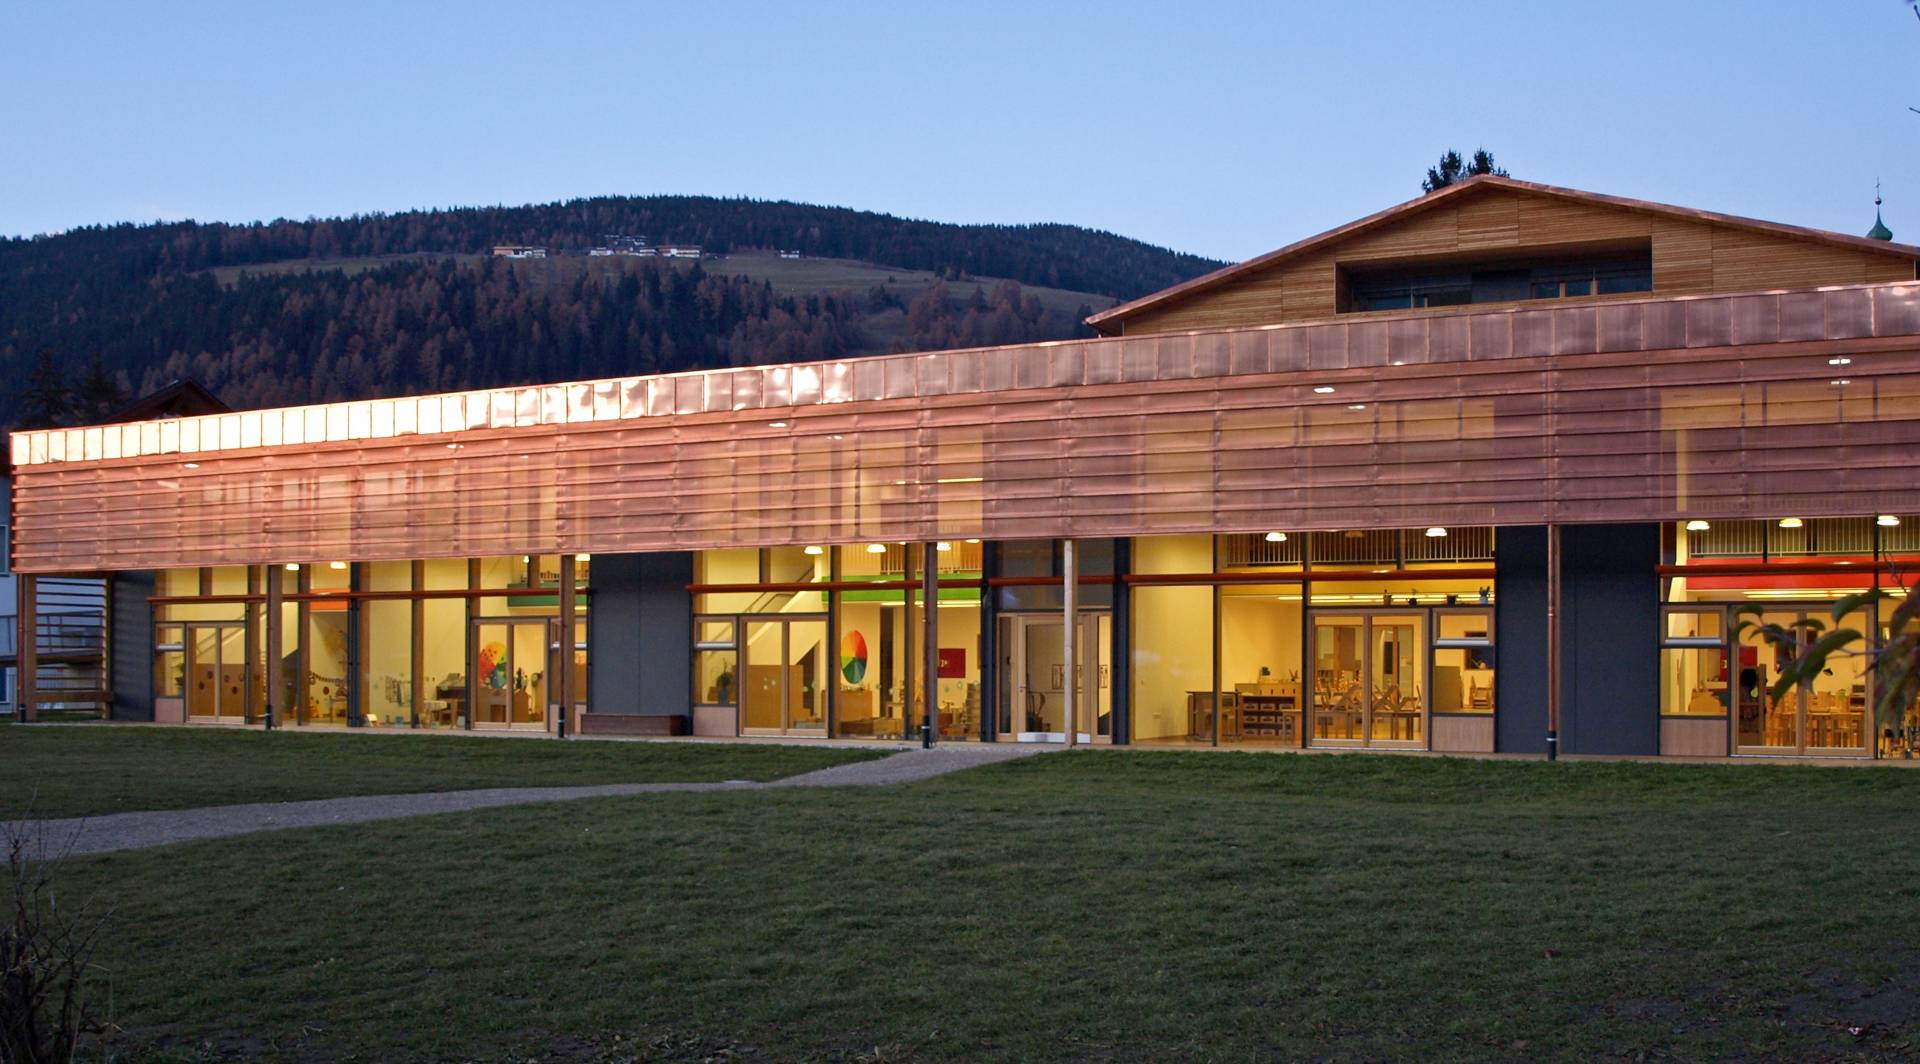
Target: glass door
{"type": "Point", "coordinates": [1369, 679]}
{"type": "Point", "coordinates": [1828, 717]}
{"type": "Point", "coordinates": [1034, 692]}
{"type": "Point", "coordinates": [784, 691]}
{"type": "Point", "coordinates": [217, 672]}
{"type": "Point", "coordinates": [1339, 679]}
{"type": "Point", "coordinates": [1396, 713]}
{"type": "Point", "coordinates": [511, 657]}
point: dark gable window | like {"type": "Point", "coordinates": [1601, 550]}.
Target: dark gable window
{"type": "Point", "coordinates": [1443, 285]}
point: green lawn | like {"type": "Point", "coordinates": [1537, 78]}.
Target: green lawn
{"type": "Point", "coordinates": [1086, 906]}
{"type": "Point", "coordinates": [87, 770]}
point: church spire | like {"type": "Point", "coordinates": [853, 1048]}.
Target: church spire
{"type": "Point", "coordinates": [1879, 230]}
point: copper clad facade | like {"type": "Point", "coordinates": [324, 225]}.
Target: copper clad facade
{"type": "Point", "coordinates": [1637, 410]}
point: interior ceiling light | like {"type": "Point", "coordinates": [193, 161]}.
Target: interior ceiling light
{"type": "Point", "coordinates": [1276, 537]}
{"type": "Point", "coordinates": [1887, 521]}
{"type": "Point", "coordinates": [583, 557]}
{"type": "Point", "coordinates": [776, 424]}
{"type": "Point", "coordinates": [973, 541]}
{"type": "Point", "coordinates": [1839, 382]}
{"type": "Point", "coordinates": [814, 548]}
{"type": "Point", "coordinates": [1790, 522]}
{"type": "Point", "coordinates": [293, 567]}
{"type": "Point", "coordinates": [336, 565]}
{"type": "Point", "coordinates": [189, 465]}
{"type": "Point", "coordinates": [1436, 532]}
{"type": "Point", "coordinates": [1356, 406]}
{"type": "Point", "coordinates": [1839, 360]}
{"type": "Point", "coordinates": [1324, 389]}
{"type": "Point", "coordinates": [1697, 525]}
{"type": "Point", "coordinates": [876, 548]}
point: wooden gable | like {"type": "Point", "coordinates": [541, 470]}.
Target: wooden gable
{"type": "Point", "coordinates": [1693, 252]}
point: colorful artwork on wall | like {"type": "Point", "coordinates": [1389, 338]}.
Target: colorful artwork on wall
{"type": "Point", "coordinates": [853, 657]}
{"type": "Point", "coordinates": [493, 666]}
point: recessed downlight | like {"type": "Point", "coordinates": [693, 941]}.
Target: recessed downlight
{"type": "Point", "coordinates": [336, 565]}
{"type": "Point", "coordinates": [813, 548]}
{"type": "Point", "coordinates": [876, 548]}
{"type": "Point", "coordinates": [1697, 525]}
{"type": "Point", "coordinates": [1356, 406]}
{"type": "Point", "coordinates": [1839, 382]}
{"type": "Point", "coordinates": [1839, 360]}
{"type": "Point", "coordinates": [1323, 389]}
{"type": "Point", "coordinates": [1791, 522]}
{"type": "Point", "coordinates": [1436, 532]}
{"type": "Point", "coordinates": [776, 424]}
{"type": "Point", "coordinates": [1276, 537]}
{"type": "Point", "coordinates": [189, 465]}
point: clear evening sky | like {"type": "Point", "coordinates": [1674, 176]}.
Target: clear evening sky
{"type": "Point", "coordinates": [1222, 129]}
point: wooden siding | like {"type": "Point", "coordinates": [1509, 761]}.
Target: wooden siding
{"type": "Point", "coordinates": [1655, 409]}
{"type": "Point", "coordinates": [1688, 257]}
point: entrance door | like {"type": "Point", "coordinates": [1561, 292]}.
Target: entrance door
{"type": "Point", "coordinates": [1369, 684]}
{"type": "Point", "coordinates": [217, 671]}
{"type": "Point", "coordinates": [512, 671]}
{"type": "Point", "coordinates": [1830, 718]}
{"type": "Point", "coordinates": [1034, 690]}
{"type": "Point", "coordinates": [785, 686]}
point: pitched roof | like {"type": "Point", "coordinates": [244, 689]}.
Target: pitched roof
{"type": "Point", "coordinates": [1108, 321]}
{"type": "Point", "coordinates": [180, 398]}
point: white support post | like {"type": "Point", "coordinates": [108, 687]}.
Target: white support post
{"type": "Point", "coordinates": [1070, 585]}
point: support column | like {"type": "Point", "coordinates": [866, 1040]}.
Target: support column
{"type": "Point", "coordinates": [1553, 642]}
{"type": "Point", "coordinates": [1070, 596]}
{"type": "Point", "coordinates": [930, 696]}
{"type": "Point", "coordinates": [26, 660]}
{"type": "Point", "coordinates": [417, 660]}
{"type": "Point", "coordinates": [276, 642]}
{"type": "Point", "coordinates": [563, 657]}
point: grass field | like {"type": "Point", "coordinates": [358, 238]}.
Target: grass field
{"type": "Point", "coordinates": [1085, 906]}
{"type": "Point", "coordinates": [85, 770]}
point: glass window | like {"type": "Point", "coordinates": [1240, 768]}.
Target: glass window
{"type": "Point", "coordinates": [1260, 660]}
{"type": "Point", "coordinates": [443, 655]}
{"type": "Point", "coordinates": [714, 677]}
{"type": "Point", "coordinates": [386, 698]}
{"type": "Point", "coordinates": [1173, 663]}
{"type": "Point", "coordinates": [170, 661]}
{"type": "Point", "coordinates": [1693, 681]}
{"type": "Point", "coordinates": [959, 663]}
{"type": "Point", "coordinates": [873, 665]}
{"type": "Point", "coordinates": [326, 679]}
{"type": "Point", "coordinates": [1463, 663]}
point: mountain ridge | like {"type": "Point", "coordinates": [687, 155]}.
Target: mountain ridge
{"type": "Point", "coordinates": [126, 307]}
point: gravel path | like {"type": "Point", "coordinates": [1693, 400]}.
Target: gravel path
{"type": "Point", "coordinates": [135, 831]}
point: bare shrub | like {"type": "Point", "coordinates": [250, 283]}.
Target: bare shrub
{"type": "Point", "coordinates": [46, 951]}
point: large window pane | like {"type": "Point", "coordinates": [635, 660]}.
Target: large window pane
{"type": "Point", "coordinates": [1260, 659]}
{"type": "Point", "coordinates": [1173, 662]}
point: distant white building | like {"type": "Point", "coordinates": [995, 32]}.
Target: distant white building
{"type": "Point", "coordinates": [789, 254]}
{"type": "Point", "coordinates": [518, 251]}
{"type": "Point", "coordinates": [679, 251]}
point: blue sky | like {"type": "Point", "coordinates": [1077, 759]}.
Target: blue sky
{"type": "Point", "coordinates": [1223, 129]}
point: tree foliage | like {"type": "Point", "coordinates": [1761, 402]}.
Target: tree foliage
{"type": "Point", "coordinates": [1451, 169]}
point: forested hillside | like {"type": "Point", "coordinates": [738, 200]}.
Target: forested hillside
{"type": "Point", "coordinates": [269, 313]}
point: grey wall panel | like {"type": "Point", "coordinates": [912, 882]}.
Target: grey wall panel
{"type": "Point", "coordinates": [130, 645]}
{"type": "Point", "coordinates": [1520, 640]}
{"type": "Point", "coordinates": [1611, 639]}
{"type": "Point", "coordinates": [642, 655]}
